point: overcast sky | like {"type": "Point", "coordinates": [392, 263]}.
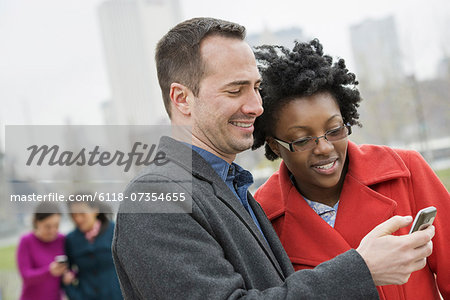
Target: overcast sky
{"type": "Point", "coordinates": [51, 58]}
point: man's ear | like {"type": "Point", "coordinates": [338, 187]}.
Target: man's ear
{"type": "Point", "coordinates": [179, 96]}
{"type": "Point", "coordinates": [274, 146]}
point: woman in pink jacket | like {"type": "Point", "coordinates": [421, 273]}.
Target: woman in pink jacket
{"type": "Point", "coordinates": [38, 253]}
{"type": "Point", "coordinates": [329, 192]}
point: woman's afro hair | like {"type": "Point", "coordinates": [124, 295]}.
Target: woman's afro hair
{"type": "Point", "coordinates": [301, 72]}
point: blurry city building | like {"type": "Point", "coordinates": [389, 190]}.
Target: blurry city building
{"type": "Point", "coordinates": [107, 109]}
{"type": "Point", "coordinates": [283, 37]}
{"type": "Point", "coordinates": [376, 52]}
{"type": "Point", "coordinates": [3, 194]}
{"type": "Point", "coordinates": [397, 109]}
{"type": "Point", "coordinates": [443, 68]}
{"type": "Point", "coordinates": [130, 30]}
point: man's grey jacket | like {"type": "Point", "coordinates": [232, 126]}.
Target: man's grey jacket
{"type": "Point", "coordinates": [216, 251]}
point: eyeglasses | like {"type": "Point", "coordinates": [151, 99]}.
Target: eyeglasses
{"type": "Point", "coordinates": [309, 142]}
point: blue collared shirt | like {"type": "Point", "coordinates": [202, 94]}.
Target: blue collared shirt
{"type": "Point", "coordinates": [327, 213]}
{"type": "Point", "coordinates": [236, 178]}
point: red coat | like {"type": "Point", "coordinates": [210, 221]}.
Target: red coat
{"type": "Point", "coordinates": [381, 182]}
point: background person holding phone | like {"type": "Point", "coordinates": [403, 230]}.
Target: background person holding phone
{"type": "Point", "coordinates": [37, 253]}
{"type": "Point", "coordinates": [88, 248]}
{"type": "Point", "coordinates": [329, 192]}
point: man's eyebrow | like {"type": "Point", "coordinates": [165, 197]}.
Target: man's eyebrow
{"type": "Point", "coordinates": [240, 82]}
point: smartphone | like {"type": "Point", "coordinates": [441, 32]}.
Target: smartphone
{"type": "Point", "coordinates": [61, 259]}
{"type": "Point", "coordinates": [424, 218]}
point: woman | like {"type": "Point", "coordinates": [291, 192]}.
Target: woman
{"type": "Point", "coordinates": [329, 192]}
{"type": "Point", "coordinates": [36, 255]}
{"type": "Point", "coordinates": [88, 248]}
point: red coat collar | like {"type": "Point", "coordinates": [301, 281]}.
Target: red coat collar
{"type": "Point", "coordinates": [370, 164]}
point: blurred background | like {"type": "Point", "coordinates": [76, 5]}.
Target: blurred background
{"type": "Point", "coordinates": [90, 62]}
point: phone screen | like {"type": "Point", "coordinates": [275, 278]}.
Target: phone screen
{"type": "Point", "coordinates": [61, 258]}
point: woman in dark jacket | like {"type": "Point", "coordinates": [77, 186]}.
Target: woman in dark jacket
{"type": "Point", "coordinates": [88, 249]}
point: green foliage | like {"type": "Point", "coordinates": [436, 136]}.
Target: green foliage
{"type": "Point", "coordinates": [10, 282]}
{"type": "Point", "coordinates": [8, 258]}
{"type": "Point", "coordinates": [444, 175]}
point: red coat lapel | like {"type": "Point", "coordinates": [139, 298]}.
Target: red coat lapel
{"type": "Point", "coordinates": [299, 222]}
{"type": "Point", "coordinates": [372, 209]}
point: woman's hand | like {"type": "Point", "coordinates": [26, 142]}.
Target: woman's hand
{"type": "Point", "coordinates": [57, 269]}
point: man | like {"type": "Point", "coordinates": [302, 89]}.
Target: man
{"type": "Point", "coordinates": [226, 248]}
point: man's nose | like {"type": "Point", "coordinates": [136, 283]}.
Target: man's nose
{"type": "Point", "coordinates": [253, 104]}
